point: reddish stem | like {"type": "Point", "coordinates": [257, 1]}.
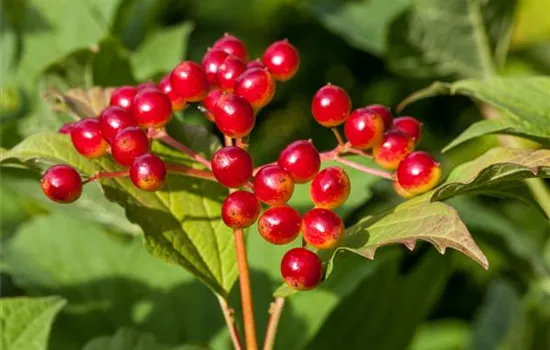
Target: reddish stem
{"type": "Point", "coordinates": [339, 137]}
{"type": "Point", "coordinates": [164, 137]}
{"type": "Point", "coordinates": [227, 140]}
{"type": "Point", "coordinates": [107, 175]}
{"type": "Point", "coordinates": [275, 312]}
{"type": "Point", "coordinates": [230, 321]}
{"type": "Point", "coordinates": [367, 170]}
{"type": "Point", "coordinates": [187, 171]}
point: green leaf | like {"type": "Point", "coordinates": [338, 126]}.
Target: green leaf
{"type": "Point", "coordinates": [441, 335]}
{"type": "Point", "coordinates": [182, 222]}
{"type": "Point", "coordinates": [128, 339]}
{"type": "Point", "coordinates": [26, 322]}
{"type": "Point", "coordinates": [111, 64]}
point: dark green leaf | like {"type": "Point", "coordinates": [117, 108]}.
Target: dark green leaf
{"type": "Point", "coordinates": [111, 64]}
{"type": "Point", "coordinates": [128, 339]}
{"type": "Point", "coordinates": [441, 335]}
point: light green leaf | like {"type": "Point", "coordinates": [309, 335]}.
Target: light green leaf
{"type": "Point", "coordinates": [128, 339]}
{"type": "Point", "coordinates": [26, 322]}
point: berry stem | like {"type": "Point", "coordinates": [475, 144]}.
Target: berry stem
{"type": "Point", "coordinates": [367, 170]}
{"type": "Point", "coordinates": [227, 140]}
{"type": "Point", "coordinates": [242, 143]}
{"type": "Point", "coordinates": [164, 137]}
{"type": "Point", "coordinates": [246, 292]}
{"type": "Point", "coordinates": [338, 136]}
{"type": "Point", "coordinates": [358, 152]}
{"type": "Point", "coordinates": [107, 175]}
{"type": "Point", "coordinates": [230, 321]}
{"type": "Point", "coordinates": [183, 170]}
{"type": "Point", "coordinates": [275, 312]}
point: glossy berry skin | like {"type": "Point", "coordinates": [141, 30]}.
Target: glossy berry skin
{"type": "Point", "coordinates": [129, 144]}
{"type": "Point", "coordinates": [114, 119]}
{"type": "Point", "coordinates": [232, 46]}
{"type": "Point", "coordinates": [301, 159]}
{"type": "Point", "coordinates": [257, 63]}
{"type": "Point", "coordinates": [151, 108]}
{"type": "Point", "coordinates": [228, 72]}
{"type": "Point", "coordinates": [178, 102]}
{"type": "Point", "coordinates": [240, 209]}
{"type": "Point", "coordinates": [409, 126]}
{"type": "Point", "coordinates": [211, 62]}
{"type": "Point", "coordinates": [209, 103]}
{"type": "Point", "coordinates": [232, 166]}
{"type": "Point", "coordinates": [331, 106]}
{"type": "Point", "coordinates": [418, 173]}
{"type": "Point", "coordinates": [322, 228]}
{"type": "Point", "coordinates": [148, 172]}
{"type": "Point", "coordinates": [280, 225]}
{"type": "Point", "coordinates": [330, 188]}
{"type": "Point", "coordinates": [364, 129]}
{"type": "Point", "coordinates": [282, 60]}
{"type": "Point", "coordinates": [257, 86]}
{"type": "Point", "coordinates": [394, 147]}
{"type": "Point", "coordinates": [234, 116]}
{"type": "Point", "coordinates": [273, 185]}
{"type": "Point", "coordinates": [123, 96]}
{"type": "Point", "coordinates": [189, 81]}
{"type": "Point", "coordinates": [87, 138]}
{"type": "Point", "coordinates": [401, 191]}
{"type": "Point", "coordinates": [62, 184]}
{"type": "Point", "coordinates": [301, 269]}
{"type": "Point", "coordinates": [67, 128]}
{"type": "Point", "coordinates": [382, 111]}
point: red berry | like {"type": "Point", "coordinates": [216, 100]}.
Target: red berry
{"type": "Point", "coordinates": [211, 61]}
{"type": "Point", "coordinates": [87, 138]}
{"type": "Point", "coordinates": [67, 128]}
{"type": "Point", "coordinates": [382, 111]}
{"type": "Point", "coordinates": [257, 86]}
{"type": "Point", "coordinates": [364, 129]}
{"type": "Point", "coordinates": [229, 71]}
{"type": "Point", "coordinates": [331, 105]}
{"type": "Point", "coordinates": [418, 173]}
{"type": "Point", "coordinates": [148, 172]}
{"type": "Point", "coordinates": [151, 108]}
{"type": "Point", "coordinates": [232, 45]}
{"type": "Point", "coordinates": [301, 159]}
{"type": "Point", "coordinates": [401, 191]}
{"type": "Point", "coordinates": [301, 269]}
{"type": "Point", "coordinates": [257, 63]}
{"type": "Point", "coordinates": [409, 126]}
{"type": "Point", "coordinates": [394, 147]}
{"type": "Point", "coordinates": [123, 96]}
{"type": "Point", "coordinates": [178, 102]}
{"type": "Point", "coordinates": [273, 185]}
{"type": "Point", "coordinates": [234, 116]}
{"type": "Point", "coordinates": [189, 81]}
{"type": "Point", "coordinates": [330, 188]}
{"type": "Point", "coordinates": [282, 60]}
{"type": "Point", "coordinates": [112, 120]}
{"type": "Point", "coordinates": [129, 144]}
{"type": "Point", "coordinates": [209, 103]}
{"type": "Point", "coordinates": [280, 225]}
{"type": "Point", "coordinates": [232, 166]}
{"type": "Point", "coordinates": [62, 184]}
{"type": "Point", "coordinates": [146, 85]}
{"type": "Point", "coordinates": [240, 209]}
{"type": "Point", "coordinates": [322, 228]}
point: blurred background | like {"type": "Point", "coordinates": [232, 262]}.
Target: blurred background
{"type": "Point", "coordinates": [89, 253]}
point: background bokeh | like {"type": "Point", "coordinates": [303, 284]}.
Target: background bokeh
{"type": "Point", "coordinates": [90, 255]}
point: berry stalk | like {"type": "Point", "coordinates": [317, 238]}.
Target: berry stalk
{"type": "Point", "coordinates": [366, 170]}
{"type": "Point", "coordinates": [107, 175]}
{"type": "Point", "coordinates": [275, 312]}
{"type": "Point", "coordinates": [164, 137]}
{"type": "Point", "coordinates": [183, 170]}
{"type": "Point", "coordinates": [230, 321]}
{"type": "Point", "coordinates": [338, 136]}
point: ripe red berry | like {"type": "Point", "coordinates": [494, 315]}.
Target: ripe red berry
{"type": "Point", "coordinates": [409, 126]}
{"type": "Point", "coordinates": [401, 191]}
{"type": "Point", "coordinates": [383, 111]}
{"type": "Point", "coordinates": [364, 129]}
{"type": "Point", "coordinates": [234, 116]}
{"type": "Point", "coordinates": [123, 96]}
{"type": "Point", "coordinates": [151, 108]}
{"type": "Point", "coordinates": [322, 228]}
{"type": "Point", "coordinates": [232, 45]}
{"type": "Point", "coordinates": [146, 85]}
{"type": "Point", "coordinates": [301, 269]}
{"type": "Point", "coordinates": [211, 61]}
{"type": "Point", "coordinates": [87, 138]}
{"type": "Point", "coordinates": [228, 72]}
{"type": "Point", "coordinates": [113, 119]}
{"type": "Point", "coordinates": [129, 144]}
{"type": "Point", "coordinates": [257, 63]}
{"type": "Point", "coordinates": [189, 81]}
{"type": "Point", "coordinates": [282, 60]}
{"type": "Point", "coordinates": [178, 102]}
{"type": "Point", "coordinates": [209, 103]}
{"type": "Point", "coordinates": [232, 166]}
{"type": "Point", "coordinates": [418, 173]}
{"type": "Point", "coordinates": [67, 128]}
{"type": "Point", "coordinates": [331, 105]}
{"type": "Point", "coordinates": [273, 185]}
{"type": "Point", "coordinates": [257, 86]}
{"type": "Point", "coordinates": [240, 209]}
{"type": "Point", "coordinates": [62, 184]}
{"type": "Point", "coordinates": [148, 172]}
{"type": "Point", "coordinates": [394, 147]}
{"type": "Point", "coordinates": [301, 159]}
{"type": "Point", "coordinates": [330, 188]}
{"type": "Point", "coordinates": [280, 225]}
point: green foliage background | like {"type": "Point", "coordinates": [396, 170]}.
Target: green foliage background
{"type": "Point", "coordinates": [78, 276]}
